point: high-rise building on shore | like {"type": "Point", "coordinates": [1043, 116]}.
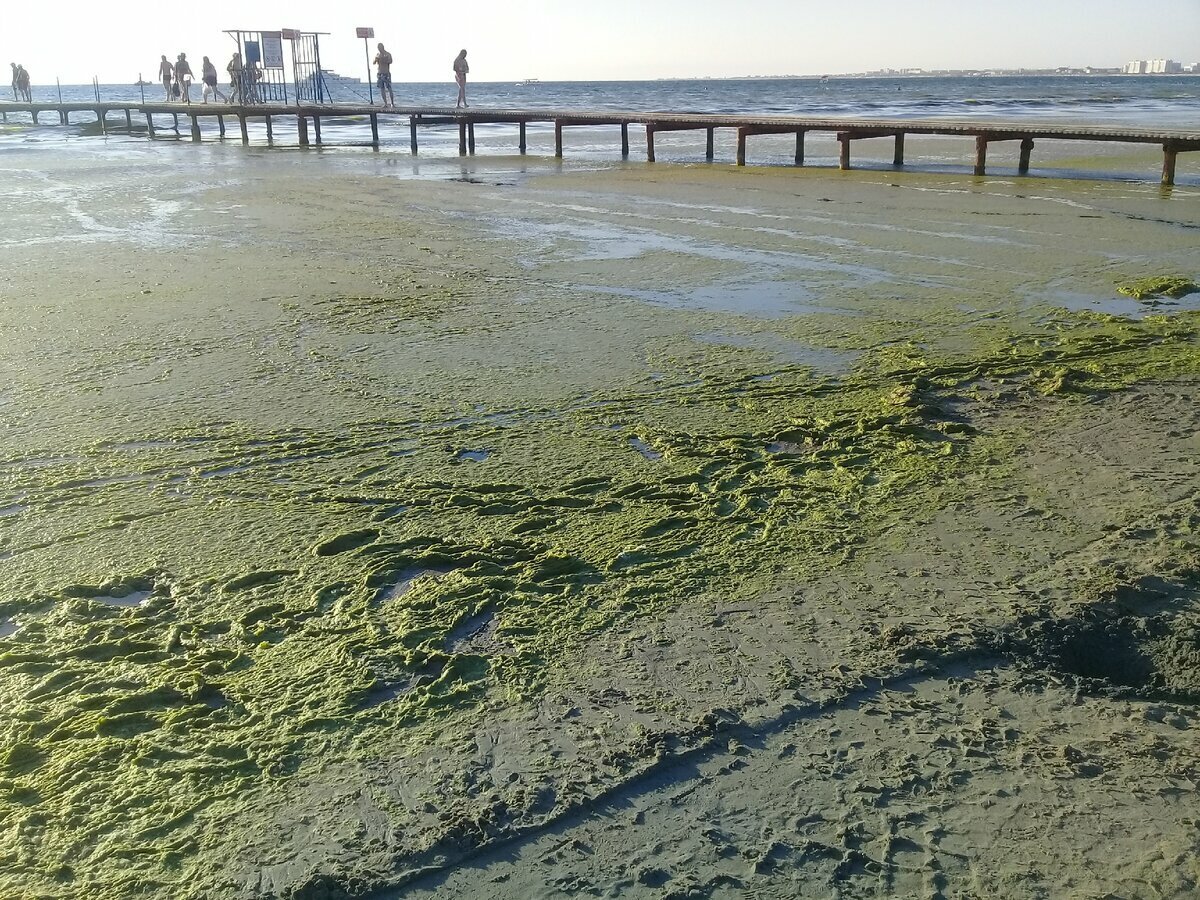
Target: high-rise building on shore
{"type": "Point", "coordinates": [1153, 67]}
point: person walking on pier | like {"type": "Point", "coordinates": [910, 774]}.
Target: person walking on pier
{"type": "Point", "coordinates": [183, 78]}
{"type": "Point", "coordinates": [208, 72]}
{"type": "Point", "coordinates": [237, 74]}
{"type": "Point", "coordinates": [21, 83]}
{"type": "Point", "coordinates": [460, 75]}
{"type": "Point", "coordinates": [16, 97]}
{"type": "Point", "coordinates": [383, 62]}
{"type": "Point", "coordinates": [166, 74]}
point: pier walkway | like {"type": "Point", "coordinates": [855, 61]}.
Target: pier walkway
{"type": "Point", "coordinates": [847, 130]}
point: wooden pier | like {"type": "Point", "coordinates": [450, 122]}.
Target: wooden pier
{"type": "Point", "coordinates": [847, 130]}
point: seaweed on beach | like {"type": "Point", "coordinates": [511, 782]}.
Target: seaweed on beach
{"type": "Point", "coordinates": [1172, 286]}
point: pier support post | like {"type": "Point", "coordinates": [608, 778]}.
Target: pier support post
{"type": "Point", "coordinates": [99, 118]}
{"type": "Point", "coordinates": [195, 130]}
{"type": "Point", "coordinates": [981, 145]}
{"type": "Point", "coordinates": [63, 117]}
{"type": "Point", "coordinates": [221, 125]}
{"type": "Point", "coordinates": [128, 119]}
{"type": "Point", "coordinates": [625, 140]}
{"type": "Point", "coordinates": [898, 157]}
{"type": "Point", "coordinates": [800, 148]}
{"type": "Point", "coordinates": [242, 125]}
{"type": "Point", "coordinates": [412, 134]}
{"type": "Point", "coordinates": [34, 113]}
{"type": "Point", "coordinates": [650, 143]}
{"type": "Point", "coordinates": [1170, 155]}
{"type": "Point", "coordinates": [374, 130]}
{"type": "Point", "coordinates": [844, 154]}
{"type": "Point", "coordinates": [150, 123]}
{"type": "Point", "coordinates": [558, 148]}
{"type": "Point", "coordinates": [270, 132]}
{"type": "Point", "coordinates": [302, 128]}
{"type": "Point", "coordinates": [710, 140]}
{"type": "Point", "coordinates": [471, 138]}
{"type": "Point", "coordinates": [317, 130]}
{"type": "Point", "coordinates": [462, 138]}
{"type": "Point", "coordinates": [176, 118]}
{"type": "Point", "coordinates": [523, 144]}
{"type": "Point", "coordinates": [741, 147]}
{"type": "Point", "coordinates": [1026, 151]}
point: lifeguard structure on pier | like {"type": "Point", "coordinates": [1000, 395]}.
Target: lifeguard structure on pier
{"type": "Point", "coordinates": [264, 57]}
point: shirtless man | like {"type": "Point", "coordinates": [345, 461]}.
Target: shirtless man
{"type": "Point", "coordinates": [16, 99]}
{"type": "Point", "coordinates": [166, 74]}
{"type": "Point", "coordinates": [460, 75]}
{"type": "Point", "coordinates": [383, 61]}
{"type": "Point", "coordinates": [183, 78]}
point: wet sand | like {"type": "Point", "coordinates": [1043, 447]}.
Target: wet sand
{"type": "Point", "coordinates": [520, 531]}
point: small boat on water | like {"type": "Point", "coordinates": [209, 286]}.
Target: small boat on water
{"type": "Point", "coordinates": [528, 81]}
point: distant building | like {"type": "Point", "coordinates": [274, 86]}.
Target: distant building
{"type": "Point", "coordinates": [1153, 67]}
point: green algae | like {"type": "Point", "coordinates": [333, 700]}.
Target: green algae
{"type": "Point", "coordinates": [151, 715]}
{"type": "Point", "coordinates": [1173, 286]}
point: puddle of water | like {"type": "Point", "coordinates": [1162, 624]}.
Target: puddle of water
{"type": "Point", "coordinates": [787, 447]}
{"type": "Point", "coordinates": [8, 628]}
{"type": "Point", "coordinates": [1115, 305]}
{"type": "Point", "coordinates": [408, 578]}
{"type": "Point", "coordinates": [645, 449]}
{"type": "Point", "coordinates": [789, 351]}
{"type": "Point", "coordinates": [472, 455]}
{"type": "Point", "coordinates": [15, 510]}
{"type": "Point", "coordinates": [132, 599]}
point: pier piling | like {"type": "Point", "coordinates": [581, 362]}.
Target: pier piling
{"type": "Point", "coordinates": [844, 153]}
{"type": "Point", "coordinates": [302, 129]}
{"type": "Point", "coordinates": [800, 148]}
{"type": "Point", "coordinates": [221, 126]}
{"type": "Point", "coordinates": [195, 129]}
{"type": "Point", "coordinates": [242, 126]}
{"type": "Point", "coordinates": [317, 130]}
{"type": "Point", "coordinates": [981, 146]}
{"type": "Point", "coordinates": [523, 146]}
{"type": "Point", "coordinates": [374, 130]}
{"type": "Point", "coordinates": [709, 141]}
{"type": "Point", "coordinates": [412, 134]}
{"type": "Point", "coordinates": [898, 156]}
{"type": "Point", "coordinates": [462, 138]}
{"type": "Point", "coordinates": [471, 138]}
{"type": "Point", "coordinates": [558, 143]}
{"type": "Point", "coordinates": [650, 143]}
{"type": "Point", "coordinates": [270, 132]}
{"type": "Point", "coordinates": [1026, 152]}
{"type": "Point", "coordinates": [1170, 154]}
{"type": "Point", "coordinates": [625, 140]}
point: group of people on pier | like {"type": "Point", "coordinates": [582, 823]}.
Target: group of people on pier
{"type": "Point", "coordinates": [20, 83]}
{"type": "Point", "coordinates": [177, 80]}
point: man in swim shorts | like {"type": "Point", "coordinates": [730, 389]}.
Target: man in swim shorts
{"type": "Point", "coordinates": [166, 74]}
{"type": "Point", "coordinates": [209, 73]}
{"type": "Point", "coordinates": [183, 78]}
{"type": "Point", "coordinates": [383, 61]}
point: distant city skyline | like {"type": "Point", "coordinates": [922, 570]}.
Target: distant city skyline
{"type": "Point", "coordinates": [619, 40]}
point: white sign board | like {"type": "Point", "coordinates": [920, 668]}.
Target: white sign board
{"type": "Point", "coordinates": [272, 50]}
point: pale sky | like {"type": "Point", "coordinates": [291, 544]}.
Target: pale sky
{"type": "Point", "coordinates": [608, 39]}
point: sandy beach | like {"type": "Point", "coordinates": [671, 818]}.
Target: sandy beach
{"type": "Point", "coordinates": [509, 529]}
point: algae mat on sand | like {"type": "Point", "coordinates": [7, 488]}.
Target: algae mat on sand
{"type": "Point", "coordinates": [400, 520]}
